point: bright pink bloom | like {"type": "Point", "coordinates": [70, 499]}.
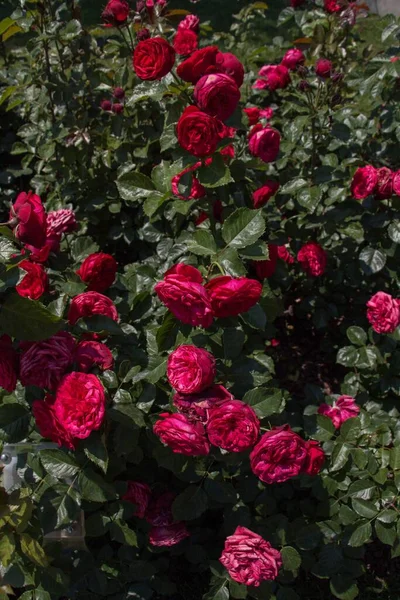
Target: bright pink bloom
{"type": "Point", "coordinates": [182, 435]}
{"type": "Point", "coordinates": [190, 370]}
{"type": "Point", "coordinates": [45, 363]}
{"type": "Point", "coordinates": [312, 259]}
{"type": "Point", "coordinates": [342, 409]}
{"type": "Point", "coordinates": [383, 312]}
{"type": "Point", "coordinates": [233, 426]}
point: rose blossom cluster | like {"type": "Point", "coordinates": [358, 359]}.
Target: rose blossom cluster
{"type": "Point", "coordinates": [193, 303]}
{"type": "Point", "coordinates": [277, 77]}
{"type": "Point", "coordinates": [115, 107]}
{"type": "Point", "coordinates": [383, 183]}
{"type": "Point", "coordinates": [311, 257]}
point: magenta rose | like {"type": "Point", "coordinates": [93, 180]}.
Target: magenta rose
{"type": "Point", "coordinates": [231, 297]}
{"type": "Point", "coordinates": [249, 559]}
{"type": "Point", "coordinates": [190, 369]}
{"type": "Point", "coordinates": [396, 183]}
{"type": "Point", "coordinates": [190, 22]}
{"type": "Point", "coordinates": [233, 426]}
{"type": "Point", "coordinates": [229, 64]}
{"type": "Point", "coordinates": [8, 364]}
{"type": "Point", "coordinates": [364, 182]}
{"type": "Point", "coordinates": [168, 535]}
{"type": "Point", "coordinates": [217, 94]}
{"type": "Point", "coordinates": [98, 271]}
{"type": "Point", "coordinates": [264, 193]}
{"type": "Point", "coordinates": [89, 304]}
{"type": "Point", "coordinates": [49, 425]}
{"type": "Point", "coordinates": [35, 283]}
{"type": "Point", "coordinates": [60, 221]}
{"type": "Point", "coordinates": [383, 312]}
{"type": "Point", "coordinates": [343, 408]}
{"type": "Point", "coordinates": [115, 13]}
{"type": "Point", "coordinates": [28, 218]}
{"type": "Point", "coordinates": [264, 142]}
{"type": "Point", "coordinates": [312, 259]}
{"type": "Point", "coordinates": [293, 59]}
{"type": "Point", "coordinates": [138, 494]}
{"type": "Point", "coordinates": [182, 435]}
{"type": "Point", "coordinates": [266, 268]}
{"type": "Point", "coordinates": [384, 185]}
{"type": "Point", "coordinates": [196, 191]}
{"type": "Point", "coordinates": [89, 354]}
{"type": "Point", "coordinates": [323, 68]}
{"type": "Point", "coordinates": [185, 42]}
{"type": "Point", "coordinates": [274, 77]}
{"type": "Point", "coordinates": [197, 406]}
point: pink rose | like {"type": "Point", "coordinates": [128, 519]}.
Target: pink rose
{"type": "Point", "coordinates": [384, 185]}
{"type": "Point", "coordinates": [249, 559]}
{"type": "Point", "coordinates": [190, 22]}
{"type": "Point", "coordinates": [231, 297]}
{"type": "Point", "coordinates": [233, 426]}
{"type": "Point", "coordinates": [323, 68]}
{"type": "Point", "coordinates": [168, 535]}
{"type": "Point", "coordinates": [343, 408]}
{"type": "Point", "coordinates": [60, 221]}
{"type": "Point", "coordinates": [190, 369]}
{"type": "Point", "coordinates": [275, 77]}
{"type": "Point", "coordinates": [182, 435]}
{"type": "Point", "coordinates": [293, 59]}
{"type": "Point", "coordinates": [364, 182]}
{"type": "Point", "coordinates": [98, 271]}
{"type": "Point", "coordinates": [383, 312]}
{"type": "Point", "coordinates": [139, 494]}
{"type": "Point", "coordinates": [264, 142]}
{"type": "Point", "coordinates": [8, 364]}
{"type": "Point", "coordinates": [217, 95]}
{"type": "Point", "coordinates": [197, 406]}
{"type": "Point", "coordinates": [264, 193]}
{"type": "Point", "coordinates": [312, 259]}
{"type": "Point", "coordinates": [315, 458]}
{"type": "Point", "coordinates": [266, 268]}
{"type": "Point", "coordinates": [89, 354]}
{"type": "Point", "coordinates": [89, 304]}
{"type": "Point", "coordinates": [279, 455]}
{"type": "Point", "coordinates": [28, 218]}
{"type": "Point", "coordinates": [228, 63]}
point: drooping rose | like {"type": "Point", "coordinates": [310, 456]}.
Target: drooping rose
{"type": "Point", "coordinates": [28, 219]}
{"type": "Point", "coordinates": [198, 132]}
{"type": "Point", "coordinates": [364, 182]}
{"type": "Point", "coordinates": [48, 424]}
{"type": "Point", "coordinates": [229, 64]}
{"type": "Point", "coordinates": [98, 271]}
{"type": "Point", "coordinates": [315, 458]}
{"type": "Point", "coordinates": [266, 268]}
{"type": "Point", "coordinates": [34, 284]}
{"type": "Point", "coordinates": [185, 42]}
{"type": "Point", "coordinates": [196, 191]}
{"type": "Point", "coordinates": [182, 435]}
{"type": "Point", "coordinates": [230, 296]}
{"type": "Point", "coordinates": [153, 58]}
{"type": "Point", "coordinates": [8, 364]}
{"type": "Point", "coordinates": [383, 312]}
{"type": "Point", "coordinates": [312, 259]}
{"type": "Point", "coordinates": [197, 406]}
{"type": "Point", "coordinates": [323, 68]}
{"type": "Point", "coordinates": [89, 354]}
{"type": "Point", "coordinates": [343, 408]}
{"type": "Point", "coordinates": [293, 59]}
{"type": "Point", "coordinates": [233, 426]}
{"type": "Point", "coordinates": [190, 22]}
{"type": "Point", "coordinates": [249, 559]}
{"type": "Point", "coordinates": [45, 363]}
{"type": "Point", "coordinates": [279, 455]}
{"type": "Point", "coordinates": [115, 13]}
{"type": "Point", "coordinates": [384, 185]}
{"type": "Point", "coordinates": [217, 95]}
{"type": "Point", "coordinates": [89, 304]}
{"type": "Point", "coordinates": [168, 535]}
{"type": "Point", "coordinates": [200, 63]}
{"type": "Point", "coordinates": [139, 494]}
{"type": "Point", "coordinates": [275, 77]}
{"type": "Point", "coordinates": [264, 142]}
{"type": "Point", "coordinates": [264, 193]}
{"type": "Point", "coordinates": [159, 510]}
{"type": "Point", "coordinates": [190, 369]}
{"type": "Point", "coordinates": [332, 6]}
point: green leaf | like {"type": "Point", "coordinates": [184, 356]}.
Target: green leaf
{"type": "Point", "coordinates": [7, 547]}
{"type": "Point", "coordinates": [231, 262]}
{"type": "Point", "coordinates": [99, 324]}
{"type": "Point", "coordinates": [218, 591]}
{"type": "Point", "coordinates": [14, 422]}
{"type": "Point", "coordinates": [71, 30]}
{"type": "Point", "coordinates": [190, 504]}
{"type": "Point", "coordinates": [93, 487]}
{"type": "Point", "coordinates": [166, 334]}
{"type": "Point", "coordinates": [147, 89]}
{"type": "Point", "coordinates": [291, 558]}
{"type": "Point", "coordinates": [134, 186]}
{"type": "Point", "coordinates": [201, 242]}
{"type": "Point", "coordinates": [394, 460]}
{"type": "Point", "coordinates": [357, 335]}
{"type": "Point", "coordinates": [33, 550]}
{"type": "Point", "coordinates": [309, 198]}
{"type": "Point", "coordinates": [372, 260]}
{"type": "Point", "coordinates": [7, 249]}
{"type": "Point", "coordinates": [255, 317]}
{"type": "Point", "coordinates": [344, 588]}
{"type": "Point", "coordinates": [293, 186]}
{"type": "Point", "coordinates": [243, 227]}
{"type": "Point", "coordinates": [96, 451]}
{"type": "Point", "coordinates": [58, 463]}
{"type": "Point", "coordinates": [122, 533]}
{"type": "Point", "coordinates": [360, 535]}
{"type": "Point", "coordinates": [265, 402]}
{"type": "Point", "coordinates": [386, 533]}
{"type": "Point", "coordinates": [394, 232]}
{"type": "Point", "coordinates": [347, 356]}
{"type": "Point", "coordinates": [28, 320]}
{"type": "Point", "coordinates": [216, 174]}
{"type": "Point", "coordinates": [364, 508]}
{"type": "Point", "coordinates": [220, 491]}
{"type": "Point", "coordinates": [121, 412]}
{"type": "Point", "coordinates": [340, 455]}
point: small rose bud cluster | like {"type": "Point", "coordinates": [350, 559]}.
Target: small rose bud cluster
{"type": "Point", "coordinates": [115, 107]}
{"type": "Point", "coordinates": [382, 182]}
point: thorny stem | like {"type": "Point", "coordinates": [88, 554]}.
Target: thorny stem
{"type": "Point", "coordinates": [179, 82]}
{"type": "Point", "coordinates": [130, 35]}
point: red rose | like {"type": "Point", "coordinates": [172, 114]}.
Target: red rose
{"type": "Point", "coordinates": [201, 63]}
{"type": "Point", "coordinates": [285, 255]}
{"type": "Point", "coordinates": [249, 559]}
{"type": "Point", "coordinates": [293, 59]}
{"type": "Point", "coordinates": [28, 218]}
{"type": "Point", "coordinates": [266, 268]}
{"type": "Point", "coordinates": [34, 284]}
{"type": "Point", "coordinates": [190, 369]}
{"type": "Point", "coordinates": [139, 494]}
{"type": "Point", "coordinates": [264, 193]}
{"type": "Point", "coordinates": [117, 108]}
{"type": "Point", "coordinates": [182, 435]}
{"type": "Point", "coordinates": [264, 143]}
{"type": "Point", "coordinates": [39, 255]}
{"type": "Point", "coordinates": [185, 297]}
{"type": "Point", "coordinates": [343, 408]}
{"type": "Point", "coordinates": [186, 271]}
{"type": "Point", "coordinates": [98, 271]}
{"type": "Point", "coordinates": [312, 259]}
{"type": "Point", "coordinates": [253, 114]}
{"type": "Point", "coordinates": [60, 221]}
{"type": "Point", "coordinates": [153, 58]}
{"type": "Point", "coordinates": [383, 312]}
{"type": "Point", "coordinates": [45, 363]}
{"type": "Point", "coordinates": [48, 424]}
{"type": "Point", "coordinates": [275, 77]}
{"type": "Point", "coordinates": [159, 511]}
{"type": "Point", "coordinates": [196, 191]}
{"type": "Point", "coordinates": [230, 296]}
{"type": "Point", "coordinates": [332, 6]}
{"type": "Point", "coordinates": [89, 304]}
{"type": "Point", "coordinates": [80, 404]}
{"type": "Point", "coordinates": [168, 535]}
{"type": "Point", "coordinates": [384, 185]}
{"type": "Point", "coordinates": [323, 68]}
{"type": "Point", "coordinates": [229, 64]}
{"type": "Point", "coordinates": [8, 364]}
{"type": "Point", "coordinates": [364, 182]}
{"type": "Point", "coordinates": [396, 183]}
{"type": "Point", "coordinates": [217, 94]}
{"type": "Point", "coordinates": [190, 22]}
{"type": "Point", "coordinates": [198, 132]}
{"type": "Point", "coordinates": [116, 12]}
{"type": "Point", "coordinates": [315, 458]}
{"type": "Point", "coordinates": [119, 93]}
{"type": "Point", "coordinates": [233, 426]}
{"type": "Point", "coordinates": [197, 406]}
{"type": "Point", "coordinates": [185, 42]}
{"type": "Point", "coordinates": [89, 354]}
{"type": "Point", "coordinates": [279, 455]}
{"type": "Point", "coordinates": [106, 105]}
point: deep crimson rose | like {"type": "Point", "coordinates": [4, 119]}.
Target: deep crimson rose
{"type": "Point", "coordinates": [28, 218]}
{"type": "Point", "coordinates": [229, 64]}
{"type": "Point", "coordinates": [45, 363]}
{"type": "Point", "coordinates": [80, 404]}
{"type": "Point", "coordinates": [182, 435]}
{"type": "Point", "coordinates": [332, 6]}
{"type": "Point", "coordinates": [186, 271]}
{"type": "Point", "coordinates": [153, 58]}
{"type": "Point", "coordinates": [116, 12]}
{"type": "Point", "coordinates": [89, 304]}
{"type": "Point", "coordinates": [264, 142]}
{"type": "Point", "coordinates": [293, 59]}
{"type": "Point", "coordinates": [143, 34]}
{"type": "Point", "coordinates": [396, 183]}
{"type": "Point", "coordinates": [233, 426]}
{"type": "Point", "coordinates": [266, 268]}
{"type": "Point", "coordinates": [312, 259]}
{"type": "Point", "coordinates": [60, 221]}
{"type": "Point", "coordinates": [323, 68]}
{"type": "Point", "coordinates": [190, 22]}
{"type": "Point", "coordinates": [315, 458]}
{"type": "Point", "coordinates": [253, 114]}
{"type": "Point", "coordinates": [279, 455]}
{"type": "Point", "coordinates": [185, 42]}
{"type": "Point", "coordinates": [190, 369]}
{"type": "Point", "coordinates": [117, 108]}
{"type": "Point", "coordinates": [383, 312]}
{"type": "Point", "coordinates": [39, 255]}
{"type": "Point", "coordinates": [230, 296]}
{"type": "Point", "coordinates": [98, 271]}
{"type": "Point", "coordinates": [196, 191]}
{"type": "Point", "coordinates": [384, 185]}
{"type": "Point", "coordinates": [139, 494]}
{"type": "Point", "coordinates": [285, 255]}
{"type": "Point", "coordinates": [159, 511]}
{"type": "Point", "coordinates": [34, 284]}
{"type": "Point", "coordinates": [264, 193]}
{"type": "Point", "coordinates": [217, 94]}
{"type": "Point", "coordinates": [89, 354]}
{"type": "Point", "coordinates": [198, 132]}
{"type": "Point", "coordinates": [168, 535]}
{"type": "Point", "coordinates": [364, 182]}
{"type": "Point", "coordinates": [197, 406]}
{"type": "Point", "coordinates": [119, 93]}
{"type": "Point", "coordinates": [200, 63]}
{"type": "Point", "coordinates": [249, 559]}
{"type": "Point", "coordinates": [8, 364]}
{"type": "Point", "coordinates": [106, 105]}
{"type": "Point", "coordinates": [343, 408]}
{"type": "Point", "coordinates": [48, 424]}
{"type": "Point", "coordinates": [275, 77]}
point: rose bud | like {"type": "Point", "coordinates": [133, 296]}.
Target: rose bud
{"type": "Point", "coordinates": [198, 132]}
{"type": "Point", "coordinates": [264, 143]}
{"type": "Point", "coordinates": [217, 95]}
{"type": "Point", "coordinates": [276, 77]}
{"type": "Point", "coordinates": [35, 283]}
{"type": "Point", "coordinates": [384, 185]}
{"type": "Point", "coordinates": [343, 408]}
{"type": "Point", "coordinates": [312, 259]}
{"type": "Point", "coordinates": [117, 108]}
{"type": "Point", "coordinates": [168, 535]}
{"type": "Point", "coordinates": [28, 218]}
{"type": "Point", "coordinates": [231, 297]}
{"type": "Point", "coordinates": [89, 304]}
{"type": "Point", "coordinates": [364, 182]}
{"type": "Point", "coordinates": [185, 42]}
{"type": "Point", "coordinates": [303, 85]}
{"type": "Point", "coordinates": [332, 6]}
{"type": "Point", "coordinates": [383, 313]}
{"type": "Point", "coordinates": [229, 64]}
{"type": "Point", "coordinates": [138, 494]}
{"type": "Point", "coordinates": [153, 59]}
{"type": "Point", "coordinates": [116, 12]}
{"type": "Point", "coordinates": [119, 93]}
{"type": "Point", "coordinates": [98, 271]}
{"type": "Point", "coordinates": [337, 77]}
{"type": "Point", "coordinates": [323, 68]}
{"type": "Point", "coordinates": [315, 458]}
{"type": "Point", "coordinates": [266, 268]}
{"type": "Point", "coordinates": [201, 62]}
{"type": "Point", "coordinates": [293, 59]}
{"type": "Point", "coordinates": [253, 114]}
{"type": "Point", "coordinates": [89, 354]}
{"type": "Point", "coordinates": [190, 22]}
{"type": "Point", "coordinates": [285, 255]}
{"type": "Point", "coordinates": [190, 369]}
{"type": "Point", "coordinates": [106, 105]}
{"type": "Point", "coordinates": [264, 193]}
{"type": "Point", "coordinates": [143, 34]}
{"type": "Point", "coordinates": [182, 435]}
{"type": "Point", "coordinates": [233, 426]}
{"type": "Point", "coordinates": [8, 364]}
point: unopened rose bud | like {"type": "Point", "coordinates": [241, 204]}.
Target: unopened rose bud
{"type": "Point", "coordinates": [117, 108]}
{"type": "Point", "coordinates": [119, 93]}
{"type": "Point", "coordinates": [105, 105]}
{"type": "Point", "coordinates": [337, 77]}
{"type": "Point", "coordinates": [304, 85]}
{"type": "Point", "coordinates": [302, 71]}
{"type": "Point", "coordinates": [143, 34]}
{"type": "Point", "coordinates": [140, 5]}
